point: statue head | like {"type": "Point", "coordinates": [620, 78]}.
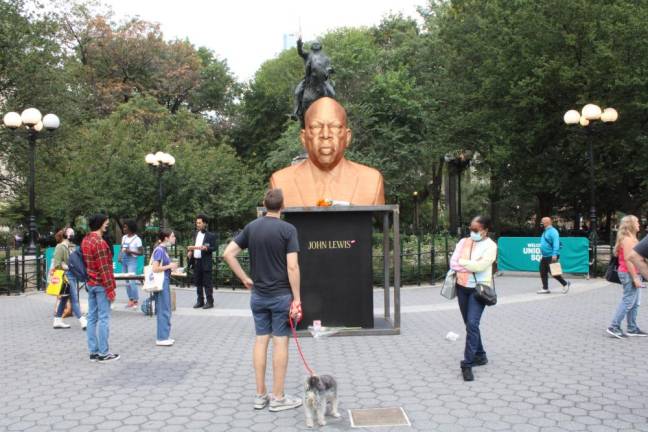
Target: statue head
{"type": "Point", "coordinates": [316, 46]}
{"type": "Point", "coordinates": [325, 135]}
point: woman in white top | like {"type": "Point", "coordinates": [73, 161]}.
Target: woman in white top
{"type": "Point", "coordinates": [473, 260]}
{"type": "Point", "coordinates": [131, 249]}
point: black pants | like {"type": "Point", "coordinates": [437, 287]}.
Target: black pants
{"type": "Point", "coordinates": [203, 281]}
{"type": "Point", "coordinates": [544, 273]}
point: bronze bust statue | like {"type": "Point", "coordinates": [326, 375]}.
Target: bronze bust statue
{"type": "Point", "coordinates": [326, 174]}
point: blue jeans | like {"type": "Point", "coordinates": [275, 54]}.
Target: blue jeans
{"type": "Point", "coordinates": [73, 297]}
{"type": "Point", "coordinates": [163, 310]}
{"type": "Point", "coordinates": [629, 305]}
{"type": "Point", "coordinates": [471, 312]}
{"type": "Point", "coordinates": [129, 265]}
{"type": "Point", "coordinates": [98, 320]}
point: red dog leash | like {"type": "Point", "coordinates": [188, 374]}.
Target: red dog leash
{"type": "Point", "coordinates": [294, 332]}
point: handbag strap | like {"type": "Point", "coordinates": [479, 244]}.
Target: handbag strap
{"type": "Point", "coordinates": [474, 274]}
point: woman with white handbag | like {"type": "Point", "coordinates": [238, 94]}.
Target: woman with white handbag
{"type": "Point", "coordinates": [161, 263]}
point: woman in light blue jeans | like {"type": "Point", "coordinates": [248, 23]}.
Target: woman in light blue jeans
{"type": "Point", "coordinates": [162, 263]}
{"type": "Point", "coordinates": [630, 280]}
{"type": "Point", "coordinates": [60, 262]}
{"type": "Point", "coordinates": [131, 250]}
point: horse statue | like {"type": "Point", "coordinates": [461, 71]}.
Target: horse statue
{"type": "Point", "coordinates": [316, 82]}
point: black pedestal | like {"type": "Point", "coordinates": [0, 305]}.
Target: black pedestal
{"type": "Point", "coordinates": [336, 267]}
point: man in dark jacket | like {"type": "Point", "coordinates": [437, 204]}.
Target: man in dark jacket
{"type": "Point", "coordinates": [200, 257]}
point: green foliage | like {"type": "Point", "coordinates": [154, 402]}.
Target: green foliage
{"type": "Point", "coordinates": [493, 77]}
{"type": "Point", "coordinates": [106, 169]}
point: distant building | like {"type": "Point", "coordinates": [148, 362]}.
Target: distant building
{"type": "Point", "coordinates": [289, 40]}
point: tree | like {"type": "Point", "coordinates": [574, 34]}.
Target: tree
{"type": "Point", "coordinates": [106, 170]}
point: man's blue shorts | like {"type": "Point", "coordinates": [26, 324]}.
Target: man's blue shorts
{"type": "Point", "coordinates": [271, 314]}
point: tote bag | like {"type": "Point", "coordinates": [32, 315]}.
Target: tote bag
{"type": "Point", "coordinates": [153, 282]}
{"type": "Point", "coordinates": [56, 283]}
{"type": "Point", "coordinates": [449, 289]}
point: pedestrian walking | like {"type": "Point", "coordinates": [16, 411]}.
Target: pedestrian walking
{"type": "Point", "coordinates": [162, 263]}
{"type": "Point", "coordinates": [200, 259]}
{"type": "Point", "coordinates": [473, 260]}
{"type": "Point", "coordinates": [131, 249]}
{"type": "Point", "coordinates": [630, 280]}
{"type": "Point", "coordinates": [64, 247]}
{"type": "Point", "coordinates": [101, 288]}
{"type": "Point", "coordinates": [550, 250]}
{"type": "Point", "coordinates": [273, 246]}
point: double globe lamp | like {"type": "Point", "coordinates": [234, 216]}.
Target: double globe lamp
{"type": "Point", "coordinates": [34, 122]}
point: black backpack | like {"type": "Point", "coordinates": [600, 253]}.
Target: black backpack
{"type": "Point", "coordinates": [77, 267]}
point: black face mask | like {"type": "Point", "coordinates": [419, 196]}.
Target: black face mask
{"type": "Point", "coordinates": [70, 237]}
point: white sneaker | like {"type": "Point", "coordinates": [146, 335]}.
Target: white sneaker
{"type": "Point", "coordinates": [543, 291]}
{"type": "Point", "coordinates": [288, 402]}
{"type": "Point", "coordinates": [59, 324]}
{"type": "Point", "coordinates": [565, 289]}
{"type": "Point", "coordinates": [261, 401]}
{"type": "Point", "coordinates": [167, 342]}
{"type": "Point", "coordinates": [84, 322]}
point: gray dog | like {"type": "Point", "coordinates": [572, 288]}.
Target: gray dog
{"type": "Point", "coordinates": [319, 390]}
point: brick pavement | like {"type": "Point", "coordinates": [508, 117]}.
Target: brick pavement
{"type": "Point", "coordinates": [552, 368]}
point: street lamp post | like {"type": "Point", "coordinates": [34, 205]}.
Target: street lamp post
{"type": "Point", "coordinates": [415, 195]}
{"type": "Point", "coordinates": [34, 123]}
{"type": "Point", "coordinates": [585, 118]}
{"type": "Point", "coordinates": [160, 162]}
{"type": "Point", "coordinates": [459, 161]}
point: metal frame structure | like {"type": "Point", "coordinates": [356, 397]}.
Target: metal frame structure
{"type": "Point", "coordinates": [389, 323]}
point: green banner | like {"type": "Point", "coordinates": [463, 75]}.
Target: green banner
{"type": "Point", "coordinates": [523, 254]}
{"type": "Point", "coordinates": [117, 267]}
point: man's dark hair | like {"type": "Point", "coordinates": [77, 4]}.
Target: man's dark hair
{"type": "Point", "coordinates": [273, 200]}
{"type": "Point", "coordinates": [96, 221]}
{"type": "Point", "coordinates": [132, 226]}
{"type": "Point", "coordinates": [484, 221]}
{"type": "Point", "coordinates": [203, 218]}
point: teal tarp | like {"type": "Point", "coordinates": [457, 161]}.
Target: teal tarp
{"type": "Point", "coordinates": [117, 267]}
{"type": "Point", "coordinates": [523, 254]}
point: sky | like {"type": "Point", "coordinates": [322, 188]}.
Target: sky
{"type": "Point", "coordinates": [248, 32]}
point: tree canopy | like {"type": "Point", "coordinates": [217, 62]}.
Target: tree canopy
{"type": "Point", "coordinates": [491, 77]}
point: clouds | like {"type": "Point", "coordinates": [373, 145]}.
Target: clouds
{"type": "Point", "coordinates": [248, 32]}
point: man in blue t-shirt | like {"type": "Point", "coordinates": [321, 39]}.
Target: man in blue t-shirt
{"type": "Point", "coordinates": [273, 248]}
{"type": "Point", "coordinates": [550, 249]}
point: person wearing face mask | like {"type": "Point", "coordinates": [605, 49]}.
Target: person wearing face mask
{"type": "Point", "coordinates": [162, 263]}
{"type": "Point", "coordinates": [60, 261]}
{"type": "Point", "coordinates": [473, 260]}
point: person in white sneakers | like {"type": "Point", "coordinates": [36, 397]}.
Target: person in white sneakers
{"type": "Point", "coordinates": [62, 252]}
{"type": "Point", "coordinates": [162, 263]}
{"type": "Point", "coordinates": [275, 285]}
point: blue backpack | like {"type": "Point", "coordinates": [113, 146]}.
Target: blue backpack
{"type": "Point", "coordinates": [77, 267]}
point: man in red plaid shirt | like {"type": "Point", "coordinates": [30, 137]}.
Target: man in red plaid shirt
{"type": "Point", "coordinates": [101, 288]}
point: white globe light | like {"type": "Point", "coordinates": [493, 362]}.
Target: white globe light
{"type": "Point", "coordinates": [38, 126]}
{"type": "Point", "coordinates": [167, 159]}
{"type": "Point", "coordinates": [31, 116]}
{"type": "Point", "coordinates": [51, 121]}
{"type": "Point", "coordinates": [12, 120]}
{"type": "Point", "coordinates": [609, 115]}
{"type": "Point", "coordinates": [171, 160]}
{"type": "Point", "coordinates": [150, 159]}
{"type": "Point", "coordinates": [591, 112]}
{"type": "Point", "coordinates": [584, 121]}
{"type": "Point", "coordinates": [571, 117]}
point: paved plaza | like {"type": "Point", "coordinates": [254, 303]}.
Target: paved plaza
{"type": "Point", "coordinates": [552, 367]}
